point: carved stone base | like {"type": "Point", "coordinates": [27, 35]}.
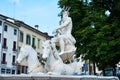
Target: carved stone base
{"type": "Point", "coordinates": [54, 77]}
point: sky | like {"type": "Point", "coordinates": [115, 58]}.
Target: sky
{"type": "Point", "coordinates": [33, 12]}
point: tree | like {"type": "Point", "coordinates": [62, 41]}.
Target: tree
{"type": "Point", "coordinates": [97, 35]}
{"type": "Point", "coordinates": [107, 33]}
{"type": "Point", "coordinates": [82, 31]}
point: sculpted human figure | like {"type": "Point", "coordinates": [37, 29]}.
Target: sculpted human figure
{"type": "Point", "coordinates": [63, 34]}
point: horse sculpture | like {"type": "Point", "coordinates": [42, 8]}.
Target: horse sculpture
{"type": "Point", "coordinates": [54, 63]}
{"type": "Point", "coordinates": [34, 66]}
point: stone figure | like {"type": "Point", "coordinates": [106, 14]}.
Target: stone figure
{"type": "Point", "coordinates": [64, 38]}
{"type": "Point", "coordinates": [54, 64]}
{"type": "Point", "coordinates": [54, 58]}
{"type": "Point", "coordinates": [51, 59]}
{"type": "Point", "coordinates": [34, 66]}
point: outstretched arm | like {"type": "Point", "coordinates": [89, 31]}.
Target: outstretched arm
{"type": "Point", "coordinates": [68, 20]}
{"type": "Point", "coordinates": [63, 25]}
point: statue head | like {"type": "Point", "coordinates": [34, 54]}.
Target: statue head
{"type": "Point", "coordinates": [65, 11]}
{"type": "Point", "coordinates": [46, 48]}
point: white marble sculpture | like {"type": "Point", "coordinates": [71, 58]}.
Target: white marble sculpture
{"type": "Point", "coordinates": [34, 66]}
{"type": "Point", "coordinates": [63, 37]}
{"type": "Point", "coordinates": [54, 64]}
{"type": "Point", "coordinates": [54, 57]}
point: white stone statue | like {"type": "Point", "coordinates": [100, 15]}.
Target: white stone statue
{"type": "Point", "coordinates": [54, 58]}
{"type": "Point", "coordinates": [64, 38]}
{"type": "Point", "coordinates": [54, 64]}
{"type": "Point", "coordinates": [34, 66]}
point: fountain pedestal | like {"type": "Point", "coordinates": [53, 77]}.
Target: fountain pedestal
{"type": "Point", "coordinates": [54, 77]}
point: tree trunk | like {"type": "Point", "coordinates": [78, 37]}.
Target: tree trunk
{"type": "Point", "coordinates": [94, 69]}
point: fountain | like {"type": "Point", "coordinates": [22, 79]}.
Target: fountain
{"type": "Point", "coordinates": [54, 67]}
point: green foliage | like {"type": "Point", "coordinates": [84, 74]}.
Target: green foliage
{"type": "Point", "coordinates": [99, 44]}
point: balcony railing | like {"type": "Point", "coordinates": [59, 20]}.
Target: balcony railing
{"type": "Point", "coordinates": [14, 49]}
{"type": "Point", "coordinates": [34, 46]}
{"type": "Point", "coordinates": [3, 62]}
{"type": "Point", "coordinates": [13, 63]}
{"type": "Point", "coordinates": [4, 47]}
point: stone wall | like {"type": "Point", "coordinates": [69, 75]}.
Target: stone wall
{"type": "Point", "coordinates": [54, 77]}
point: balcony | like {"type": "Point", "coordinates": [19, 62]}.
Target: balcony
{"type": "Point", "coordinates": [13, 63]}
{"type": "Point", "coordinates": [33, 46]}
{"type": "Point", "coordinates": [3, 62]}
{"type": "Point", "coordinates": [14, 50]}
{"type": "Point", "coordinates": [4, 47]}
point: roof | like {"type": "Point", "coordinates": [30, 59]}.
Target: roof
{"type": "Point", "coordinates": [21, 23]}
{"type": "Point", "coordinates": [8, 20]}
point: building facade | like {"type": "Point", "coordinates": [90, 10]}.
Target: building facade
{"type": "Point", "coordinates": [8, 45]}
{"type": "Point", "coordinates": [14, 34]}
{"type": "Point", "coordinates": [29, 36]}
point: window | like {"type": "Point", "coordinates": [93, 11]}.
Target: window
{"type": "Point", "coordinates": [5, 43]}
{"type": "Point", "coordinates": [33, 43]}
{"type": "Point", "coordinates": [2, 70]}
{"type": "Point", "coordinates": [18, 69]}
{"type": "Point", "coordinates": [0, 22]}
{"type": "Point", "coordinates": [8, 71]}
{"type": "Point", "coordinates": [26, 68]}
{"type": "Point", "coordinates": [15, 32]}
{"type": "Point", "coordinates": [28, 39]}
{"type": "Point", "coordinates": [4, 58]}
{"type": "Point", "coordinates": [19, 48]}
{"type": "Point", "coordinates": [0, 37]}
{"type": "Point", "coordinates": [21, 36]}
{"type": "Point", "coordinates": [5, 28]}
{"type": "Point", "coordinates": [14, 46]}
{"type": "Point", "coordinates": [38, 43]}
{"type": "Point", "coordinates": [13, 71]}
{"type": "Point", "coordinates": [13, 60]}
{"type": "Point", "coordinates": [23, 69]}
